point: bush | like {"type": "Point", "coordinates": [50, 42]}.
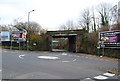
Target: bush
{"type": "Point", "coordinates": [89, 46]}
{"type": "Point", "coordinates": [37, 42]}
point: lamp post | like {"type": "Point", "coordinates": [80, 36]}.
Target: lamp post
{"type": "Point", "coordinates": [28, 29]}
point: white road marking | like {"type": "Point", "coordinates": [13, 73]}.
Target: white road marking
{"type": "Point", "coordinates": [48, 57]}
{"type": "Point", "coordinates": [65, 61]}
{"type": "Point", "coordinates": [100, 77]}
{"type": "Point", "coordinates": [20, 56]}
{"type": "Point", "coordinates": [74, 60]}
{"type": "Point", "coordinates": [88, 78]}
{"type": "Point", "coordinates": [109, 74]}
{"type": "Point", "coordinates": [64, 53]}
{"type": "Point", "coordinates": [0, 70]}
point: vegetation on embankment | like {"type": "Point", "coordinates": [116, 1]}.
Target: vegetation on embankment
{"type": "Point", "coordinates": [90, 43]}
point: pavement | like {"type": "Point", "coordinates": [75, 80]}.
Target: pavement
{"type": "Point", "coordinates": [56, 66]}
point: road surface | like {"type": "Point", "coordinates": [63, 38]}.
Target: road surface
{"type": "Point", "coordinates": [54, 65]}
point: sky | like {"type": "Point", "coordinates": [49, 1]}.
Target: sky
{"type": "Point", "coordinates": [50, 14]}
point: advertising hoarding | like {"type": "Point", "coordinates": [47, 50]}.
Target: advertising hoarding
{"type": "Point", "coordinates": [15, 36]}
{"type": "Point", "coordinates": [4, 36]}
{"type": "Point", "coordinates": [18, 36]}
{"type": "Point", "coordinates": [24, 35]}
{"type": "Point", "coordinates": [110, 39]}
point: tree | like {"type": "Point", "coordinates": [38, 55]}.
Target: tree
{"type": "Point", "coordinates": [85, 20]}
{"type": "Point", "coordinates": [94, 21]}
{"type": "Point", "coordinates": [69, 25]}
{"type": "Point", "coordinates": [6, 27]}
{"type": "Point", "coordinates": [114, 14]}
{"type": "Point", "coordinates": [33, 28]}
{"type": "Point", "coordinates": [3, 28]}
{"type": "Point", "coordinates": [104, 10]}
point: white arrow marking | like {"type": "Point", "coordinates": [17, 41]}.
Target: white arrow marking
{"type": "Point", "coordinates": [100, 77]}
{"type": "Point", "coordinates": [20, 56]}
{"type": "Point", "coordinates": [109, 74]}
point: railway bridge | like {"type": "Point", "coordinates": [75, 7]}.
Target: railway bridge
{"type": "Point", "coordinates": [74, 38]}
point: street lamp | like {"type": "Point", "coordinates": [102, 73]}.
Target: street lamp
{"type": "Point", "coordinates": [28, 28]}
{"type": "Point", "coordinates": [29, 16]}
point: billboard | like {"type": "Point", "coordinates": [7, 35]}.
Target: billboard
{"type": "Point", "coordinates": [4, 36]}
{"type": "Point", "coordinates": [15, 36]}
{"type": "Point", "coordinates": [24, 35]}
{"type": "Point", "coordinates": [110, 39]}
{"type": "Point", "coordinates": [18, 35]}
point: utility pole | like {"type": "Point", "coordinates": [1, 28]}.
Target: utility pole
{"type": "Point", "coordinates": [28, 32]}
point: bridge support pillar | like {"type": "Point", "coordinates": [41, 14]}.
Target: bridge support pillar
{"type": "Point", "coordinates": [72, 44]}
{"type": "Point", "coordinates": [78, 42]}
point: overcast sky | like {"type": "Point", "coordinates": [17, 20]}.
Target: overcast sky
{"type": "Point", "coordinates": [48, 13]}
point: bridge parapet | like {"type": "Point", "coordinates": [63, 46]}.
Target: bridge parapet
{"type": "Point", "coordinates": [80, 31]}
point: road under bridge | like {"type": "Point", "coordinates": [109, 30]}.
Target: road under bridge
{"type": "Point", "coordinates": [74, 38]}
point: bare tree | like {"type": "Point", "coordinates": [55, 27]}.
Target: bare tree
{"type": "Point", "coordinates": [114, 14]}
{"type": "Point", "coordinates": [69, 25]}
{"type": "Point", "coordinates": [94, 20]}
{"type": "Point", "coordinates": [33, 28]}
{"type": "Point", "coordinates": [6, 27]}
{"type": "Point", "coordinates": [63, 27]}
{"type": "Point", "coordinates": [85, 20]}
{"type": "Point", "coordinates": [104, 10]}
